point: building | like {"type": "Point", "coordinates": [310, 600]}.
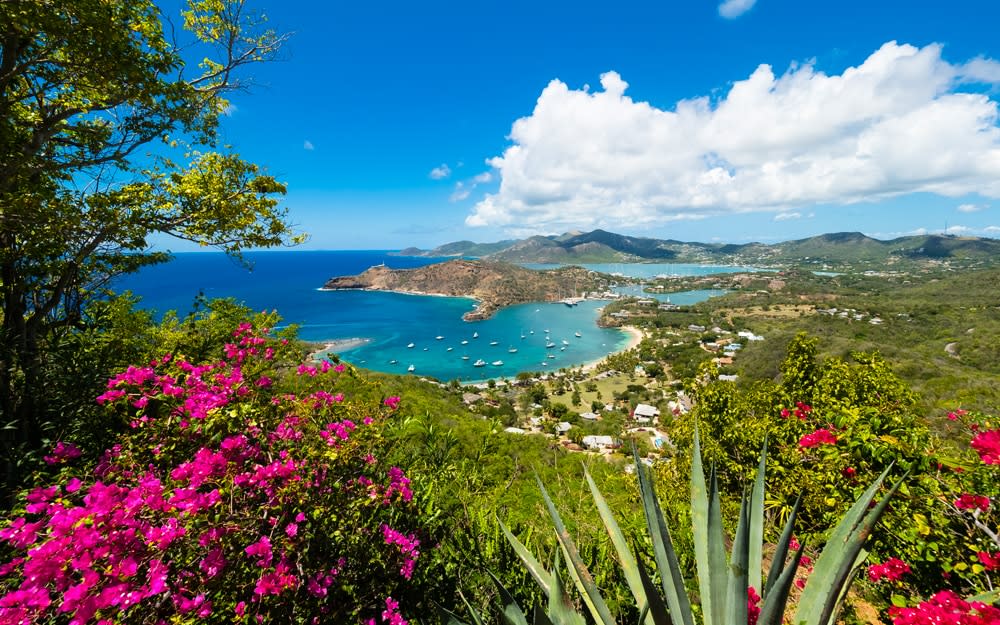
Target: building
{"type": "Point", "coordinates": [644, 413]}
{"type": "Point", "coordinates": [596, 442]}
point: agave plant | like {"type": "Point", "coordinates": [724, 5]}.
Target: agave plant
{"type": "Point", "coordinates": [723, 583]}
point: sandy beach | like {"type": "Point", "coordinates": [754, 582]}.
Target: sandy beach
{"type": "Point", "coordinates": [337, 346]}
{"type": "Point", "coordinates": [635, 337]}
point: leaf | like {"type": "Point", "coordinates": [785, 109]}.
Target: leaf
{"type": "Point", "coordinates": [781, 549]}
{"type": "Point", "coordinates": [663, 550]}
{"type": "Point", "coordinates": [756, 519]}
{"type": "Point", "coordinates": [657, 608]}
{"type": "Point", "coordinates": [512, 614]}
{"type": "Point", "coordinates": [560, 612]}
{"type": "Point", "coordinates": [585, 582]}
{"type": "Point", "coordinates": [736, 593]}
{"type": "Point", "coordinates": [773, 607]}
{"type": "Point", "coordinates": [709, 550]}
{"type": "Point", "coordinates": [628, 562]}
{"type": "Point", "coordinates": [534, 567]}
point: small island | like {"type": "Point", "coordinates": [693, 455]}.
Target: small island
{"type": "Point", "coordinates": [493, 285]}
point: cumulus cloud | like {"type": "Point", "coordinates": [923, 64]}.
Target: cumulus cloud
{"type": "Point", "coordinates": [898, 123]}
{"type": "Point", "coordinates": [970, 208]}
{"type": "Point", "coordinates": [483, 178]}
{"type": "Point", "coordinates": [787, 216]}
{"type": "Point", "coordinates": [308, 145]}
{"type": "Point", "coordinates": [461, 192]}
{"type": "Point", "coordinates": [731, 9]}
{"type": "Point", "coordinates": [440, 172]}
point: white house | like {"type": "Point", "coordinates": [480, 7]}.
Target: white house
{"type": "Point", "coordinates": [594, 441]}
{"type": "Point", "coordinates": [589, 416]}
{"type": "Point", "coordinates": [563, 426]}
{"type": "Point", "coordinates": [644, 413]}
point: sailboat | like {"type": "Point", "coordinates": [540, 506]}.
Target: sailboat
{"type": "Point", "coordinates": [450, 348]}
{"type": "Point", "coordinates": [512, 349]}
{"type": "Point", "coordinates": [577, 334]}
{"type": "Point", "coordinates": [410, 345]}
{"type": "Point", "coordinates": [411, 369]}
{"type": "Point", "coordinates": [465, 357]}
{"type": "Point", "coordinates": [475, 335]}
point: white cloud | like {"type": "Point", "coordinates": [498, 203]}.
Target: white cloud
{"type": "Point", "coordinates": [787, 216]}
{"type": "Point", "coordinates": [895, 124]}
{"type": "Point", "coordinates": [461, 192]}
{"type": "Point", "coordinates": [483, 178]}
{"type": "Point", "coordinates": [970, 208]}
{"type": "Point", "coordinates": [731, 9]}
{"type": "Point", "coordinates": [308, 145]}
{"type": "Point", "coordinates": [959, 230]}
{"type": "Point", "coordinates": [440, 172]}
{"type": "Point", "coordinates": [991, 229]}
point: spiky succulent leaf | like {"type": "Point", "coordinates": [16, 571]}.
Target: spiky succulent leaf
{"type": "Point", "coordinates": [756, 519]}
{"type": "Point", "coordinates": [736, 591]}
{"type": "Point", "coordinates": [512, 614]}
{"type": "Point", "coordinates": [534, 567]}
{"type": "Point", "coordinates": [709, 549]}
{"type": "Point", "coordinates": [772, 608]}
{"type": "Point", "coordinates": [781, 549]}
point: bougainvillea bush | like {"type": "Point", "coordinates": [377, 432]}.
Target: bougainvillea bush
{"type": "Point", "coordinates": [248, 489]}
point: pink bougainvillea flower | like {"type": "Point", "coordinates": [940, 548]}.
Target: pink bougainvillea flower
{"type": "Point", "coordinates": [990, 561]}
{"type": "Point", "coordinates": [969, 501]}
{"type": "Point", "coordinates": [62, 452]}
{"type": "Point", "coordinates": [821, 436]}
{"type": "Point", "coordinates": [892, 569]}
{"type": "Point", "coordinates": [987, 445]}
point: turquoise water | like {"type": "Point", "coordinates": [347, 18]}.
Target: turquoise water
{"type": "Point", "coordinates": [290, 282]}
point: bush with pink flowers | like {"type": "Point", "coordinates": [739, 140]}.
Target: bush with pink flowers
{"type": "Point", "coordinates": [247, 490]}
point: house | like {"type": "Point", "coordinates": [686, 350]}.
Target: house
{"type": "Point", "coordinates": [470, 398]}
{"type": "Point", "coordinates": [562, 427]}
{"type": "Point", "coordinates": [597, 442]}
{"type": "Point", "coordinates": [589, 416]}
{"type": "Point", "coordinates": [513, 430]}
{"type": "Point", "coordinates": [644, 413]}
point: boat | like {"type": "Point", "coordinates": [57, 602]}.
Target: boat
{"type": "Point", "coordinates": [479, 363]}
{"type": "Point", "coordinates": [465, 342]}
{"type": "Point", "coordinates": [475, 335]}
{"type": "Point", "coordinates": [494, 342]}
{"type": "Point", "coordinates": [393, 361]}
{"type": "Point", "coordinates": [549, 344]}
{"type": "Point", "coordinates": [425, 349]}
{"type": "Point", "coordinates": [546, 330]}
{"type": "Point", "coordinates": [531, 331]}
{"type": "Point", "coordinates": [439, 337]}
{"type": "Point", "coordinates": [522, 336]}
{"type": "Point", "coordinates": [497, 363]}
{"type": "Point", "coordinates": [563, 348]}
{"type": "Point", "coordinates": [545, 364]}
{"type": "Point", "coordinates": [465, 357]}
{"type": "Point", "coordinates": [551, 356]}
{"type": "Point", "coordinates": [577, 334]}
{"type": "Point", "coordinates": [512, 350]}
{"type": "Point", "coordinates": [450, 348]}
{"type": "Point", "coordinates": [411, 368]}
{"type": "Point", "coordinates": [565, 342]}
{"type": "Point", "coordinates": [410, 345]}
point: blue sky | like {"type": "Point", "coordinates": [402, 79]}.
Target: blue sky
{"type": "Point", "coordinates": [397, 123]}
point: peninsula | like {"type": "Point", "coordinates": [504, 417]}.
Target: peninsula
{"type": "Point", "coordinates": [493, 284]}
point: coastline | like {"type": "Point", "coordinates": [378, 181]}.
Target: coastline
{"type": "Point", "coordinates": [635, 336]}
{"type": "Point", "coordinates": [336, 346]}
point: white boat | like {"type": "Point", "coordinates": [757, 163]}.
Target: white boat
{"type": "Point", "coordinates": [410, 345]}
{"type": "Point", "coordinates": [565, 342]}
{"type": "Point", "coordinates": [465, 342]}
{"type": "Point", "coordinates": [577, 334]}
{"type": "Point", "coordinates": [475, 335]}
{"type": "Point", "coordinates": [549, 344]}
{"type": "Point", "coordinates": [465, 357]}
{"type": "Point", "coordinates": [563, 348]}
{"type": "Point", "coordinates": [411, 368]}
{"type": "Point", "coordinates": [551, 356]}
{"type": "Point", "coordinates": [512, 350]}
{"type": "Point", "coordinates": [546, 330]}
{"type": "Point", "coordinates": [450, 348]}
{"type": "Point", "coordinates": [531, 331]}
{"type": "Point", "coordinates": [393, 361]}
{"type": "Point", "coordinates": [545, 364]}
{"type": "Point", "coordinates": [479, 363]}
{"type": "Point", "coordinates": [497, 363]}
{"type": "Point", "coordinates": [425, 349]}
{"type": "Point", "coordinates": [494, 342]}
{"type": "Point", "coordinates": [439, 337]}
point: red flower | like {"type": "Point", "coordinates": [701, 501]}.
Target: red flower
{"type": "Point", "coordinates": [987, 445]}
{"type": "Point", "coordinates": [969, 501]}
{"type": "Point", "coordinates": [892, 569]}
{"type": "Point", "coordinates": [990, 561]}
{"type": "Point", "coordinates": [821, 436]}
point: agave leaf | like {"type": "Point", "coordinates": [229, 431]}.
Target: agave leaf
{"type": "Point", "coordinates": [756, 518]}
{"type": "Point", "coordinates": [473, 613]}
{"type": "Point", "coordinates": [534, 567]}
{"type": "Point", "coordinates": [512, 614]}
{"type": "Point", "coordinates": [989, 597]}
{"type": "Point", "coordinates": [839, 603]}
{"type": "Point", "coordinates": [709, 549]}
{"type": "Point", "coordinates": [540, 617]}
{"type": "Point", "coordinates": [643, 614]}
{"type": "Point", "coordinates": [449, 617]}
{"type": "Point", "coordinates": [849, 562]}
{"type": "Point", "coordinates": [584, 581]}
{"type": "Point", "coordinates": [834, 563]}
{"type": "Point", "coordinates": [781, 549]}
{"type": "Point", "coordinates": [560, 612]}
{"type": "Point", "coordinates": [773, 607]}
{"type": "Point", "coordinates": [736, 593]}
{"type": "Point", "coordinates": [657, 609]}
{"type": "Point", "coordinates": [663, 550]}
{"type": "Point", "coordinates": [625, 557]}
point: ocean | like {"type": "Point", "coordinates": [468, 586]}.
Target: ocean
{"type": "Point", "coordinates": [515, 338]}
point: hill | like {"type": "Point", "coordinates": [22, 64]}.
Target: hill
{"type": "Point", "coordinates": [839, 249]}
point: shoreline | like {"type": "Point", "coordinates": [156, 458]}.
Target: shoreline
{"type": "Point", "coordinates": [336, 346]}
{"type": "Point", "coordinates": [635, 337]}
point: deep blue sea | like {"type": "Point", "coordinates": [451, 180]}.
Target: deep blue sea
{"type": "Point", "coordinates": [290, 282]}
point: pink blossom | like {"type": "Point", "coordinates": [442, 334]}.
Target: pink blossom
{"type": "Point", "coordinates": [821, 436]}
{"type": "Point", "coordinates": [969, 501]}
{"type": "Point", "coordinates": [892, 569]}
{"type": "Point", "coordinates": [392, 402]}
{"type": "Point", "coordinates": [62, 452]}
{"type": "Point", "coordinates": [987, 445]}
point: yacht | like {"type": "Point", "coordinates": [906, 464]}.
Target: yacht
{"type": "Point", "coordinates": [551, 356]}
{"type": "Point", "coordinates": [439, 337]}
{"type": "Point", "coordinates": [450, 348]}
{"type": "Point", "coordinates": [565, 342]}
{"type": "Point", "coordinates": [393, 361]}
{"type": "Point", "coordinates": [577, 334]}
{"type": "Point", "coordinates": [411, 368]}
{"type": "Point", "coordinates": [479, 363]}
{"type": "Point", "coordinates": [512, 350]}
{"type": "Point", "coordinates": [465, 357]}
{"type": "Point", "coordinates": [410, 345]}
{"type": "Point", "coordinates": [475, 335]}
{"type": "Point", "coordinates": [494, 342]}
{"type": "Point", "coordinates": [549, 344]}
{"type": "Point", "coordinates": [465, 342]}
{"type": "Point", "coordinates": [563, 348]}
{"type": "Point", "coordinates": [497, 363]}
{"type": "Point", "coordinates": [531, 331]}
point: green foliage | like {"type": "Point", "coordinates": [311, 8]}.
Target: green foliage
{"type": "Point", "coordinates": [89, 90]}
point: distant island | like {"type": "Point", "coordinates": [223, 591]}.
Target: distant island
{"type": "Point", "coordinates": [493, 285]}
{"type": "Point", "coordinates": [839, 249]}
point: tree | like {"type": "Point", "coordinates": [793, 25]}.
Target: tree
{"type": "Point", "coordinates": [107, 136]}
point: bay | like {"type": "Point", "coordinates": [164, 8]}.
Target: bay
{"type": "Point", "coordinates": [388, 322]}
